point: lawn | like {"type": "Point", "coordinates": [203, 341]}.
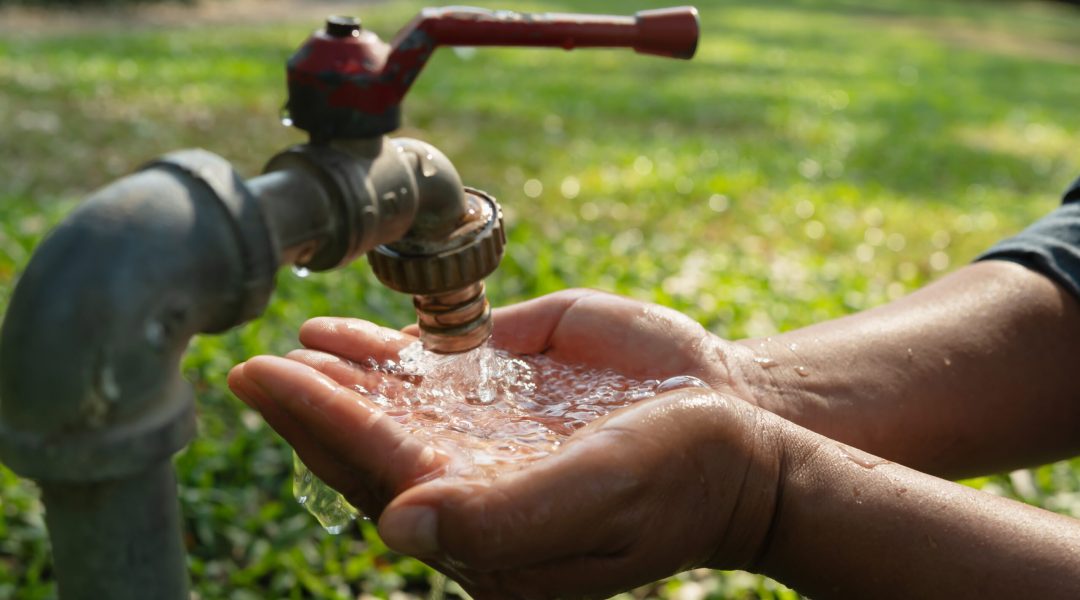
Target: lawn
{"type": "Point", "coordinates": [816, 158]}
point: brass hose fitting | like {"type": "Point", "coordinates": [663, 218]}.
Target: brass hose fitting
{"type": "Point", "coordinates": [446, 276]}
{"type": "Point", "coordinates": [456, 321]}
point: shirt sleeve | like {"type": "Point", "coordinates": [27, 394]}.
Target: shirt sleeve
{"type": "Point", "coordinates": [1050, 246]}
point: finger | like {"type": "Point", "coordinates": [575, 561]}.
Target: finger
{"type": "Point", "coordinates": [310, 450]}
{"type": "Point", "coordinates": [354, 339]}
{"type": "Point", "coordinates": [241, 387]}
{"type": "Point", "coordinates": [411, 329]}
{"type": "Point", "coordinates": [606, 492]}
{"type": "Point", "coordinates": [526, 328]}
{"type": "Point", "coordinates": [348, 373]}
{"type": "Point", "coordinates": [560, 507]}
{"type": "Point", "coordinates": [347, 425]}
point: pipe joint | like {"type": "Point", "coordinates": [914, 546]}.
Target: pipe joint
{"type": "Point", "coordinates": [90, 387]}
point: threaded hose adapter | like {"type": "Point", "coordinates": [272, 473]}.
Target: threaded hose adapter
{"type": "Point", "coordinates": [446, 276]}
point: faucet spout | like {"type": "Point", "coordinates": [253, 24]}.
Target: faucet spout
{"type": "Point", "coordinates": [456, 240]}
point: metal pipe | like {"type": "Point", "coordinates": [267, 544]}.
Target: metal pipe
{"type": "Point", "coordinates": [114, 539]}
{"type": "Point", "coordinates": [92, 404]}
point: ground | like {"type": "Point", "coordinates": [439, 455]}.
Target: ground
{"type": "Point", "coordinates": [815, 158]}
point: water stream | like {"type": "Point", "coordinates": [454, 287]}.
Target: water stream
{"type": "Point", "coordinates": [489, 410]}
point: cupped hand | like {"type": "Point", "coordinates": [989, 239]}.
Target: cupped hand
{"type": "Point", "coordinates": [685, 479]}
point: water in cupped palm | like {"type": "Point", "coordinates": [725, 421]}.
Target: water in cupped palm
{"type": "Point", "coordinates": [489, 410]}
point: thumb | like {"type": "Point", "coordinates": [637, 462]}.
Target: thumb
{"type": "Point", "coordinates": [564, 505]}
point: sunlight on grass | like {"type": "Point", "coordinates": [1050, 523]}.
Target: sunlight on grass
{"type": "Point", "coordinates": [815, 158]}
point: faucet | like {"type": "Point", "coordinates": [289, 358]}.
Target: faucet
{"type": "Point", "coordinates": [92, 402]}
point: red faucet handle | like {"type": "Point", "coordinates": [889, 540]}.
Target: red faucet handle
{"type": "Point", "coordinates": [345, 82]}
{"type": "Point", "coordinates": [671, 32]}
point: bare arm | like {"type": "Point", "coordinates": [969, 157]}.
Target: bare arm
{"type": "Point", "coordinates": [974, 373]}
{"type": "Point", "coordinates": [696, 477]}
{"type": "Point", "coordinates": [849, 525]}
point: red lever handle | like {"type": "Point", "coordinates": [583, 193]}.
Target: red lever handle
{"type": "Point", "coordinates": [671, 32]}
{"type": "Point", "coordinates": [345, 82]}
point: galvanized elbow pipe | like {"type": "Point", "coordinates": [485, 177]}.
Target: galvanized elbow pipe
{"type": "Point", "coordinates": [92, 404]}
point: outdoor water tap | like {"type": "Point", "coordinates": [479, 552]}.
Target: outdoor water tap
{"type": "Point", "coordinates": [346, 87]}
{"type": "Point", "coordinates": [92, 401]}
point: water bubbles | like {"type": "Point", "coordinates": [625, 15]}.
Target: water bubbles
{"type": "Point", "coordinates": [680, 382]}
{"type": "Point", "coordinates": [490, 411]}
{"type": "Point", "coordinates": [301, 272]}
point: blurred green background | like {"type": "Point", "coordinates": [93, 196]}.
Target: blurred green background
{"type": "Point", "coordinates": [816, 158]}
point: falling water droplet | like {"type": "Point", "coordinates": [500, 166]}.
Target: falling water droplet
{"type": "Point", "coordinates": [286, 118]}
{"type": "Point", "coordinates": [301, 272]}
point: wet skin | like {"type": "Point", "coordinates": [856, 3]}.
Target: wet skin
{"type": "Point", "coordinates": [711, 478]}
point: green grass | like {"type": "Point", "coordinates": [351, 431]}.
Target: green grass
{"type": "Point", "coordinates": [816, 158]}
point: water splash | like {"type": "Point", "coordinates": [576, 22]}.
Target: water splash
{"type": "Point", "coordinates": [323, 502]}
{"type": "Point", "coordinates": [489, 410]}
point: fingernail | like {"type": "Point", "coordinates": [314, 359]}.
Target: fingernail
{"type": "Point", "coordinates": [412, 530]}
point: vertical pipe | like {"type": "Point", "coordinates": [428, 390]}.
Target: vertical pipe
{"type": "Point", "coordinates": [118, 539]}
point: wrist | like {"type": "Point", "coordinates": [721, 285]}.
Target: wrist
{"type": "Point", "coordinates": [768, 446]}
{"type": "Point", "coordinates": [777, 375]}
{"type": "Point", "coordinates": [800, 470]}
{"type": "Point", "coordinates": [799, 378]}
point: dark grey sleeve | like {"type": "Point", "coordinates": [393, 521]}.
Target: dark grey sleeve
{"type": "Point", "coordinates": [1050, 246]}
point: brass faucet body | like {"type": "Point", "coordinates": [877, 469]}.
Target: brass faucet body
{"type": "Point", "coordinates": [402, 202]}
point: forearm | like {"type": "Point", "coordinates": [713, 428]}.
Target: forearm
{"type": "Point", "coordinates": [971, 374]}
{"type": "Point", "coordinates": [851, 525]}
